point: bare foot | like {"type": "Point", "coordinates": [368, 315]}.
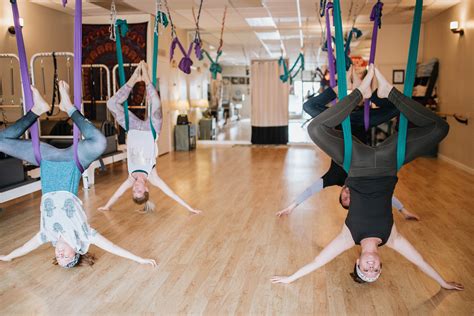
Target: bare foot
{"type": "Point", "coordinates": [384, 87]}
{"type": "Point", "coordinates": [40, 106]}
{"type": "Point", "coordinates": [66, 104]}
{"type": "Point", "coordinates": [365, 85]}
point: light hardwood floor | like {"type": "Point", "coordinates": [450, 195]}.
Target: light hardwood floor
{"type": "Point", "coordinates": [221, 262]}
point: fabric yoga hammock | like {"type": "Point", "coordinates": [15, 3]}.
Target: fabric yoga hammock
{"type": "Point", "coordinates": [186, 62]}
{"type": "Point", "coordinates": [376, 17]}
{"type": "Point", "coordinates": [215, 67]}
{"type": "Point", "coordinates": [288, 74]}
{"type": "Point", "coordinates": [26, 79]}
{"type": "Point", "coordinates": [409, 80]}
{"type": "Point", "coordinates": [341, 70]}
{"type": "Point", "coordinates": [342, 85]}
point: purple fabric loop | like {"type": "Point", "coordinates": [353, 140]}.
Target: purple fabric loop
{"type": "Point", "coordinates": [77, 76]}
{"type": "Point", "coordinates": [331, 62]}
{"type": "Point", "coordinates": [25, 80]}
{"type": "Point", "coordinates": [198, 49]}
{"type": "Point", "coordinates": [186, 62]}
{"type": "Point", "coordinates": [376, 17]}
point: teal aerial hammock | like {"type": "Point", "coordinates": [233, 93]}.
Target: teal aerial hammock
{"type": "Point", "coordinates": [409, 81]}
{"type": "Point", "coordinates": [341, 82]}
{"type": "Point", "coordinates": [215, 68]}
{"type": "Point", "coordinates": [291, 74]}
{"type": "Point", "coordinates": [162, 19]}
{"type": "Point", "coordinates": [121, 29]}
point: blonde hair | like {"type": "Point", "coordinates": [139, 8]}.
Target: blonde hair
{"type": "Point", "coordinates": [149, 207]}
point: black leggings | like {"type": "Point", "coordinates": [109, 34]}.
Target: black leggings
{"type": "Point", "coordinates": [380, 160]}
{"type": "Point", "coordinates": [89, 149]}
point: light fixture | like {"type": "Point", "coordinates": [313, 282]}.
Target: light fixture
{"type": "Point", "coordinates": [11, 29]}
{"type": "Point", "coordinates": [454, 26]}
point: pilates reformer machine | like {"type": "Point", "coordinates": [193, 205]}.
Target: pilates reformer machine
{"type": "Point", "coordinates": [16, 177]}
{"type": "Point", "coordinates": [97, 88]}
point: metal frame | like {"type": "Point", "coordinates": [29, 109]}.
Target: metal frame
{"type": "Point", "coordinates": [107, 75]}
{"type": "Point", "coordinates": [13, 56]}
{"type": "Point", "coordinates": [33, 82]}
{"type": "Point", "coordinates": [114, 74]}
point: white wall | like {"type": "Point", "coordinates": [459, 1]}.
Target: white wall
{"type": "Point", "coordinates": [393, 43]}
{"type": "Point", "coordinates": [455, 82]}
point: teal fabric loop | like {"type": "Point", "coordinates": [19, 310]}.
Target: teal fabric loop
{"type": "Point", "coordinates": [122, 29]}
{"type": "Point", "coordinates": [409, 81]}
{"type": "Point", "coordinates": [342, 83]}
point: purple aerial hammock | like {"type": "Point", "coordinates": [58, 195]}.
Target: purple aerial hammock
{"type": "Point", "coordinates": [186, 62]}
{"type": "Point", "coordinates": [26, 79]}
{"type": "Point", "coordinates": [376, 17]}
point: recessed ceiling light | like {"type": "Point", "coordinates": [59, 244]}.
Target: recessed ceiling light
{"type": "Point", "coordinates": [212, 47]}
{"type": "Point", "coordinates": [268, 35]}
{"type": "Point", "coordinates": [260, 22]}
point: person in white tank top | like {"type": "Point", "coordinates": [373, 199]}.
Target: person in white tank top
{"type": "Point", "coordinates": [142, 148]}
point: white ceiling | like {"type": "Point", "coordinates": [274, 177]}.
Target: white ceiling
{"type": "Point", "coordinates": [241, 42]}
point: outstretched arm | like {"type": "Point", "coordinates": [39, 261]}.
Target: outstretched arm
{"type": "Point", "coordinates": [159, 183]}
{"type": "Point", "coordinates": [398, 243]}
{"type": "Point", "coordinates": [102, 242]}
{"type": "Point", "coordinates": [312, 189]}
{"type": "Point", "coordinates": [402, 210]}
{"type": "Point", "coordinates": [338, 245]}
{"type": "Point", "coordinates": [28, 247]}
{"type": "Point", "coordinates": [127, 184]}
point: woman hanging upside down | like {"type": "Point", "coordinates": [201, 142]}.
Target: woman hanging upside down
{"type": "Point", "coordinates": [336, 175]}
{"type": "Point", "coordinates": [371, 182]}
{"type": "Point", "coordinates": [63, 220]}
{"type": "Point", "coordinates": [141, 145]}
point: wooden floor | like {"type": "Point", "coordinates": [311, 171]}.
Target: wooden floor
{"type": "Point", "coordinates": [221, 262]}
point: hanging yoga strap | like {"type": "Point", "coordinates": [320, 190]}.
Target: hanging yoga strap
{"type": "Point", "coordinates": [215, 68]}
{"type": "Point", "coordinates": [331, 61]}
{"type": "Point", "coordinates": [288, 74]}
{"type": "Point", "coordinates": [347, 50]}
{"type": "Point", "coordinates": [185, 62]}
{"type": "Point", "coordinates": [55, 85]}
{"type": "Point", "coordinates": [376, 17]}
{"type": "Point", "coordinates": [25, 80]}
{"type": "Point", "coordinates": [121, 28]}
{"type": "Point", "coordinates": [77, 76]}
{"type": "Point", "coordinates": [409, 81]}
{"type": "Point", "coordinates": [341, 82]}
{"type": "Point", "coordinates": [160, 18]}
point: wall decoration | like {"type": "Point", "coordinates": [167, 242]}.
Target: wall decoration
{"type": "Point", "coordinates": [398, 76]}
{"type": "Point", "coordinates": [97, 48]}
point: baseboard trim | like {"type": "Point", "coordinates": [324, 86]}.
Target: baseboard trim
{"type": "Point", "coordinates": [223, 142]}
{"type": "Point", "coordinates": [456, 163]}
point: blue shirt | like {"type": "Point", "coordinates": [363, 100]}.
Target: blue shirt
{"type": "Point", "coordinates": [60, 176]}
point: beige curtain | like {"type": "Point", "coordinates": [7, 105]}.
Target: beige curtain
{"type": "Point", "coordinates": [269, 95]}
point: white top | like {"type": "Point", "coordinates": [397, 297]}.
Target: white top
{"type": "Point", "coordinates": [62, 215]}
{"type": "Point", "coordinates": [142, 151]}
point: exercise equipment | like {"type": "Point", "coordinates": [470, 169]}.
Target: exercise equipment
{"type": "Point", "coordinates": [376, 17]}
{"type": "Point", "coordinates": [58, 59]}
{"type": "Point", "coordinates": [291, 74]}
{"type": "Point", "coordinates": [215, 68]}
{"type": "Point", "coordinates": [409, 80]}
{"type": "Point", "coordinates": [28, 96]}
{"type": "Point", "coordinates": [100, 92]}
{"type": "Point", "coordinates": [341, 70]}
{"type": "Point", "coordinates": [185, 62]}
{"type": "Point", "coordinates": [55, 85]}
